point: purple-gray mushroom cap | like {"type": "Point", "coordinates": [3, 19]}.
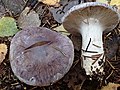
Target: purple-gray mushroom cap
{"type": "Point", "coordinates": [40, 56]}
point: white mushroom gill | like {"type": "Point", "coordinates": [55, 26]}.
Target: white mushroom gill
{"type": "Point", "coordinates": [92, 45]}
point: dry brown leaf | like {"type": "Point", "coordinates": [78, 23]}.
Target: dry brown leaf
{"type": "Point", "coordinates": [3, 52]}
{"type": "Point", "coordinates": [102, 1]}
{"type": "Point", "coordinates": [50, 2]}
{"type": "Point", "coordinates": [115, 2]}
{"type": "Point", "coordinates": [30, 19]}
{"type": "Point", "coordinates": [61, 29]}
{"type": "Point", "coordinates": [111, 86]}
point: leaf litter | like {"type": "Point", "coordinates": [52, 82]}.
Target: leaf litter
{"type": "Point", "coordinates": [28, 19]}
{"type": "Point", "coordinates": [3, 52]}
{"type": "Point", "coordinates": [75, 79]}
{"type": "Point", "coordinates": [15, 6]}
{"type": "Point", "coordinates": [61, 30]}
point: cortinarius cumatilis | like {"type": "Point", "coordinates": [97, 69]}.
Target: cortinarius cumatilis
{"type": "Point", "coordinates": [39, 56]}
{"type": "Point", "coordinates": [90, 20]}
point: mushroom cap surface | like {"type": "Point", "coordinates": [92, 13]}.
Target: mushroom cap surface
{"type": "Point", "coordinates": [39, 56]}
{"type": "Point", "coordinates": [102, 13]}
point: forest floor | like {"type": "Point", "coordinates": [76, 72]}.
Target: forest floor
{"type": "Point", "coordinates": [76, 78]}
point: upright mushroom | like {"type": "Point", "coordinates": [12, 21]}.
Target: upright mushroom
{"type": "Point", "coordinates": [39, 56]}
{"type": "Point", "coordinates": [90, 20]}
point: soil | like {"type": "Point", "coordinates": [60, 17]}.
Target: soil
{"type": "Point", "coordinates": [76, 78]}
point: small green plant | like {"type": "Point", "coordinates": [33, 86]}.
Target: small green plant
{"type": "Point", "coordinates": [7, 26]}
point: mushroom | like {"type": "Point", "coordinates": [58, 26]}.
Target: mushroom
{"type": "Point", "coordinates": [90, 20]}
{"type": "Point", "coordinates": [40, 56]}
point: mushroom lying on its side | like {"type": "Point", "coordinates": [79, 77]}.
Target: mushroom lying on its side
{"type": "Point", "coordinates": [39, 56]}
{"type": "Point", "coordinates": [90, 20]}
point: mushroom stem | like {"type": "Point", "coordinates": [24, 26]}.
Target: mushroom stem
{"type": "Point", "coordinates": [92, 42]}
